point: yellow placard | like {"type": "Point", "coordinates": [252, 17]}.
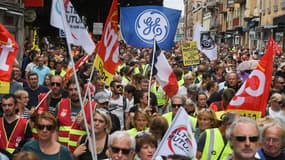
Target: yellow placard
{"type": "Point", "coordinates": [105, 76]}
{"type": "Point", "coordinates": [248, 113]}
{"type": "Point", "coordinates": [4, 87]}
{"type": "Point", "coordinates": [190, 53]}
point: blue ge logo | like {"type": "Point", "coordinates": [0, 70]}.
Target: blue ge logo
{"type": "Point", "coordinates": [152, 23]}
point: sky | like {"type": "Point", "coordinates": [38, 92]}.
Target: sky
{"type": "Point", "coordinates": [177, 4]}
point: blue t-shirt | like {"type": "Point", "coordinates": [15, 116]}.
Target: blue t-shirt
{"type": "Point", "coordinates": [33, 146]}
{"type": "Point", "coordinates": [34, 94]}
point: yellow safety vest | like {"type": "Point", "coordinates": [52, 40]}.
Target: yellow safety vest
{"type": "Point", "coordinates": [214, 145]}
{"type": "Point", "coordinates": [168, 117]}
{"type": "Point", "coordinates": [160, 95]}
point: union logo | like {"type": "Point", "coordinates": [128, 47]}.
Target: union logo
{"type": "Point", "coordinates": [179, 141]}
{"type": "Point", "coordinates": [152, 23]}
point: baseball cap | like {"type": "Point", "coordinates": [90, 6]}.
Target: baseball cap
{"type": "Point", "coordinates": [101, 97]}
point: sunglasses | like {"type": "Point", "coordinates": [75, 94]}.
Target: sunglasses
{"type": "Point", "coordinates": [55, 83]}
{"type": "Point", "coordinates": [176, 105]}
{"type": "Point", "coordinates": [48, 127]}
{"type": "Point", "coordinates": [117, 150]}
{"type": "Point", "coordinates": [119, 86]}
{"type": "Point", "coordinates": [279, 102]}
{"type": "Point", "coordinates": [243, 138]}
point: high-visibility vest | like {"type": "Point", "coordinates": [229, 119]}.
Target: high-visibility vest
{"type": "Point", "coordinates": [64, 120]}
{"type": "Point", "coordinates": [62, 72]}
{"type": "Point", "coordinates": [17, 135]}
{"type": "Point", "coordinates": [160, 94]}
{"type": "Point", "coordinates": [76, 132]}
{"type": "Point", "coordinates": [143, 71]}
{"type": "Point", "coordinates": [168, 117]}
{"type": "Point", "coordinates": [214, 147]}
{"type": "Point", "coordinates": [133, 132]}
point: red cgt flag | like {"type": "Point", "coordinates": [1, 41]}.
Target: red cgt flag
{"type": "Point", "coordinates": [251, 99]}
{"type": "Point", "coordinates": [107, 59]}
{"type": "Point", "coordinates": [8, 51]}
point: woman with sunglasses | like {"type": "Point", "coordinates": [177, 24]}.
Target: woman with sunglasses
{"type": "Point", "coordinates": [274, 105]}
{"type": "Point", "coordinates": [22, 98]}
{"type": "Point", "coordinates": [47, 147]}
{"type": "Point", "coordinates": [102, 128]}
{"type": "Point", "coordinates": [146, 145]}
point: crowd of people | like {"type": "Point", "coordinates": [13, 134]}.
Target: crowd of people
{"type": "Point", "coordinates": [43, 117]}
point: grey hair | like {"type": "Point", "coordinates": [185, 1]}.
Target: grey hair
{"type": "Point", "coordinates": [179, 97]}
{"type": "Point", "coordinates": [230, 130]}
{"type": "Point", "coordinates": [122, 136]}
{"type": "Point", "coordinates": [275, 122]}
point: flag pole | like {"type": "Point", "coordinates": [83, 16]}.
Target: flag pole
{"type": "Point", "coordinates": [151, 71]}
{"type": "Point", "coordinates": [80, 99]}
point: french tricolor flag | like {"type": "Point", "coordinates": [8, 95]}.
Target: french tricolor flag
{"type": "Point", "coordinates": [163, 72]}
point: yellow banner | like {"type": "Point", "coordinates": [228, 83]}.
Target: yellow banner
{"type": "Point", "coordinates": [105, 76]}
{"type": "Point", "coordinates": [35, 44]}
{"type": "Point", "coordinates": [4, 87]}
{"type": "Point", "coordinates": [190, 53]}
{"type": "Point", "coordinates": [248, 113]}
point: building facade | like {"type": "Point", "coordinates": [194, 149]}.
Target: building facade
{"type": "Point", "coordinates": [247, 23]}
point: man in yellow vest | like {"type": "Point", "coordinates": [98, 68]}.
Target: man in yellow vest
{"type": "Point", "coordinates": [176, 103]}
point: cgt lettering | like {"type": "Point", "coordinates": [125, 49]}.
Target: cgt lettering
{"type": "Point", "coordinates": [103, 76]}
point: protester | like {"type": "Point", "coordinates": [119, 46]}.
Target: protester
{"type": "Point", "coordinates": [146, 145]}
{"type": "Point", "coordinates": [274, 105]}
{"type": "Point", "coordinates": [41, 69]}
{"type": "Point", "coordinates": [102, 102]}
{"type": "Point", "coordinates": [47, 80]}
{"type": "Point", "coordinates": [277, 86]}
{"type": "Point", "coordinates": [140, 123]}
{"type": "Point", "coordinates": [118, 104]}
{"type": "Point", "coordinates": [158, 127]}
{"type": "Point", "coordinates": [206, 119]}
{"type": "Point", "coordinates": [221, 106]}
{"type": "Point", "coordinates": [47, 147]}
{"type": "Point", "coordinates": [22, 98]}
{"type": "Point", "coordinates": [188, 80]}
{"type": "Point", "coordinates": [176, 103]}
{"type": "Point", "coordinates": [17, 75]}
{"type": "Point", "coordinates": [121, 146]}
{"type": "Point", "coordinates": [243, 136]}
{"type": "Point", "coordinates": [102, 128]}
{"type": "Point", "coordinates": [273, 141]}
{"type": "Point", "coordinates": [212, 143]}
{"type": "Point", "coordinates": [142, 106]}
{"type": "Point", "coordinates": [161, 96]}
{"type": "Point", "coordinates": [69, 115]}
{"type": "Point", "coordinates": [16, 130]}
{"type": "Point", "coordinates": [25, 155]}
{"type": "Point", "coordinates": [34, 89]}
{"type": "Point", "coordinates": [212, 88]}
{"type": "Point", "coordinates": [201, 101]}
{"type": "Point", "coordinates": [50, 100]}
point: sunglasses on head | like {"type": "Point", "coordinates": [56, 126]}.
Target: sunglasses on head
{"type": "Point", "coordinates": [243, 138]}
{"type": "Point", "coordinates": [55, 83]}
{"type": "Point", "coordinates": [176, 105]}
{"type": "Point", "coordinates": [48, 127]}
{"type": "Point", "coordinates": [117, 150]}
